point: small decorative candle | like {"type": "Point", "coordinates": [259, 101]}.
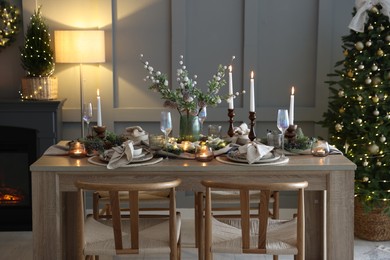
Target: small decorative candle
{"type": "Point", "coordinates": [77, 150]}
{"type": "Point", "coordinates": [252, 94]}
{"type": "Point", "coordinates": [320, 148]}
{"type": "Point", "coordinates": [204, 153]}
{"type": "Point", "coordinates": [231, 100]}
{"type": "Point", "coordinates": [291, 112]}
{"type": "Point", "coordinates": [185, 145]}
{"type": "Point", "coordinates": [99, 109]}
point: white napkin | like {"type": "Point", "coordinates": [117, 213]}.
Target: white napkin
{"type": "Point", "coordinates": [240, 135]}
{"type": "Point", "coordinates": [254, 151]}
{"type": "Point", "coordinates": [136, 134]}
{"type": "Point", "coordinates": [122, 155]}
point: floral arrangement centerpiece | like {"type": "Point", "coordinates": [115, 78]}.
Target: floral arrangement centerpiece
{"type": "Point", "coordinates": [187, 99]}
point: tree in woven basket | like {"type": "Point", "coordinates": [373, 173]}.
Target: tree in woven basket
{"type": "Point", "coordinates": [37, 54]}
{"type": "Point", "coordinates": [358, 116]}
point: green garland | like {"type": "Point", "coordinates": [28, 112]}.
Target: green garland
{"type": "Point", "coordinates": [9, 23]}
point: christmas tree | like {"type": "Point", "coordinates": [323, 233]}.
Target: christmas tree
{"type": "Point", "coordinates": [36, 54]}
{"type": "Point", "coordinates": [358, 117]}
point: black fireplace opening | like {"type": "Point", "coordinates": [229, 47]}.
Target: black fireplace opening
{"type": "Point", "coordinates": [18, 150]}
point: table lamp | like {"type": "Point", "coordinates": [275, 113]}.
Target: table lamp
{"type": "Point", "coordinates": [79, 46]}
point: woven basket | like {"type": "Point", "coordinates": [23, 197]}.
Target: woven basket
{"type": "Point", "coordinates": [39, 88]}
{"type": "Point", "coordinates": [373, 225]}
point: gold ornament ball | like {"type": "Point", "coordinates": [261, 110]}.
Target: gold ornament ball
{"type": "Point", "coordinates": [361, 66]}
{"type": "Point", "coordinates": [368, 81]}
{"type": "Point", "coordinates": [380, 52]}
{"type": "Point", "coordinates": [365, 163]}
{"type": "Point", "coordinates": [382, 28]}
{"type": "Point", "coordinates": [338, 127]}
{"type": "Point", "coordinates": [359, 121]}
{"type": "Point", "coordinates": [350, 73]}
{"type": "Point", "coordinates": [375, 99]}
{"type": "Point", "coordinates": [373, 149]}
{"type": "Point", "coordinates": [379, 163]}
{"type": "Point", "coordinates": [368, 43]}
{"type": "Point", "coordinates": [341, 93]}
{"type": "Point", "coordinates": [374, 67]}
{"type": "Point", "coordinates": [359, 98]}
{"type": "Point", "coordinates": [376, 112]}
{"type": "Point", "coordinates": [345, 52]}
{"type": "Point", "coordinates": [388, 38]}
{"type": "Point", "coordinates": [374, 10]}
{"type": "Point", "coordinates": [359, 46]}
{"type": "Point", "coordinates": [341, 110]}
{"type": "Point", "coordinates": [382, 139]}
{"type": "Point", "coordinates": [370, 27]}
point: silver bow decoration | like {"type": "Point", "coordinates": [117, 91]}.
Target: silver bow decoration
{"type": "Point", "coordinates": [361, 16]}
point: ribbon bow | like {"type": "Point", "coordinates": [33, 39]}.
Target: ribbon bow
{"type": "Point", "coordinates": [361, 17]}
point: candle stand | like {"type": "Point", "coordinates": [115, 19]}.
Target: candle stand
{"type": "Point", "coordinates": [291, 133]}
{"type": "Point", "coordinates": [231, 127]}
{"type": "Point", "coordinates": [100, 131]}
{"type": "Point", "coordinates": [252, 117]}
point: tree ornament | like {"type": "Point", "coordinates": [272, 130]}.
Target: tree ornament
{"type": "Point", "coordinates": [382, 139]}
{"type": "Point", "coordinates": [370, 27]}
{"type": "Point", "coordinates": [341, 110]}
{"type": "Point", "coordinates": [361, 66]}
{"type": "Point", "coordinates": [388, 116]}
{"type": "Point", "coordinates": [341, 93]}
{"type": "Point", "coordinates": [359, 121]}
{"type": "Point", "coordinates": [379, 163]}
{"type": "Point", "coordinates": [375, 99]}
{"type": "Point", "coordinates": [338, 127]}
{"type": "Point", "coordinates": [382, 28]}
{"type": "Point", "coordinates": [374, 67]}
{"type": "Point", "coordinates": [350, 73]}
{"type": "Point", "coordinates": [345, 52]}
{"type": "Point", "coordinates": [359, 46]}
{"type": "Point", "coordinates": [376, 112]}
{"type": "Point", "coordinates": [388, 38]}
{"type": "Point", "coordinates": [368, 81]}
{"type": "Point", "coordinates": [365, 163]}
{"type": "Point", "coordinates": [373, 148]}
{"type": "Point", "coordinates": [376, 80]}
{"type": "Point", "coordinates": [368, 43]}
{"type": "Point", "coordinates": [359, 98]}
{"type": "Point", "coordinates": [374, 10]}
{"type": "Point", "coordinates": [380, 52]}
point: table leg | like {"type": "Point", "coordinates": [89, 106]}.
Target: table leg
{"type": "Point", "coordinates": [314, 225]}
{"type": "Point", "coordinates": [46, 209]}
{"type": "Point", "coordinates": [200, 226]}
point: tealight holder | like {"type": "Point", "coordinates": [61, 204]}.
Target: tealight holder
{"type": "Point", "coordinates": [320, 148]}
{"type": "Point", "coordinates": [77, 150]}
{"type": "Point", "coordinates": [204, 153]}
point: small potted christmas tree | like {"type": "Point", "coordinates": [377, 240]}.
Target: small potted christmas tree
{"type": "Point", "coordinates": [358, 117]}
{"type": "Point", "coordinates": [37, 59]}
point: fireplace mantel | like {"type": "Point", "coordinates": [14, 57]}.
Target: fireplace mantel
{"type": "Point", "coordinates": [43, 116]}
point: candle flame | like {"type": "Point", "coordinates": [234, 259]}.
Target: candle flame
{"type": "Point", "coordinates": [98, 92]}
{"type": "Point", "coordinates": [230, 68]}
{"type": "Point", "coordinates": [292, 90]}
{"type": "Point", "coordinates": [252, 74]}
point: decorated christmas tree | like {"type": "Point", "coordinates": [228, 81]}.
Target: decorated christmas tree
{"type": "Point", "coordinates": [37, 54]}
{"type": "Point", "coordinates": [358, 117]}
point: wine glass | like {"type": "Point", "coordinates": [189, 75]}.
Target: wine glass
{"type": "Point", "coordinates": [166, 124]}
{"type": "Point", "coordinates": [87, 114]}
{"type": "Point", "coordinates": [282, 124]}
{"type": "Point", "coordinates": [202, 117]}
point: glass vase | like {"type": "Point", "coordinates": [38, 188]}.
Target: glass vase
{"type": "Point", "coordinates": [189, 128]}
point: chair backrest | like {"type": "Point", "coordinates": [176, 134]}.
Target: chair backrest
{"type": "Point", "coordinates": [265, 192]}
{"type": "Point", "coordinates": [133, 190]}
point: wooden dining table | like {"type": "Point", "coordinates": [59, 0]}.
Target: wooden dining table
{"type": "Point", "coordinates": [329, 198]}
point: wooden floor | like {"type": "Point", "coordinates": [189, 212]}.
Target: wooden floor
{"type": "Point", "coordinates": [18, 246]}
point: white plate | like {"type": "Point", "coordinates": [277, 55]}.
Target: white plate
{"type": "Point", "coordinates": [237, 157]}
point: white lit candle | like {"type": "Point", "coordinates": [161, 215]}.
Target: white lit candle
{"type": "Point", "coordinates": [99, 110]}
{"type": "Point", "coordinates": [291, 114]}
{"type": "Point", "coordinates": [231, 100]}
{"type": "Point", "coordinates": [252, 94]}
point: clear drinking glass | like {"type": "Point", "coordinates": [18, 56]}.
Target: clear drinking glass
{"type": "Point", "coordinates": [166, 125]}
{"type": "Point", "coordinates": [282, 124]}
{"type": "Point", "coordinates": [87, 114]}
{"type": "Point", "coordinates": [202, 117]}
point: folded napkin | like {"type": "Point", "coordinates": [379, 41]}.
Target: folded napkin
{"type": "Point", "coordinates": [240, 135]}
{"type": "Point", "coordinates": [121, 155]}
{"type": "Point", "coordinates": [254, 151]}
{"type": "Point", "coordinates": [136, 134]}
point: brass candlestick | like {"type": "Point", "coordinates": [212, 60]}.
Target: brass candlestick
{"type": "Point", "coordinates": [252, 117]}
{"type": "Point", "coordinates": [100, 131]}
{"type": "Point", "coordinates": [231, 127]}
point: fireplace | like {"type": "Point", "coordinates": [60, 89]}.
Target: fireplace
{"type": "Point", "coordinates": [18, 150]}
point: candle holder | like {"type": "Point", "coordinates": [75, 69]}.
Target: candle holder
{"type": "Point", "coordinates": [77, 149]}
{"type": "Point", "coordinates": [291, 133]}
{"type": "Point", "coordinates": [252, 117]}
{"type": "Point", "coordinates": [320, 148]}
{"type": "Point", "coordinates": [231, 115]}
{"type": "Point", "coordinates": [100, 131]}
{"type": "Point", "coordinates": [204, 153]}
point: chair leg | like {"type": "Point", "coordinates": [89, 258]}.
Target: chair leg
{"type": "Point", "coordinates": [275, 257]}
